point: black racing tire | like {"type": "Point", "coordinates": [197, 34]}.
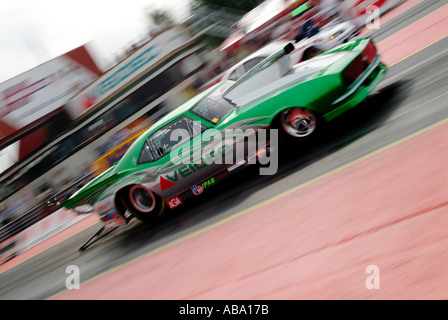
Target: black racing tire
{"type": "Point", "coordinates": [142, 203]}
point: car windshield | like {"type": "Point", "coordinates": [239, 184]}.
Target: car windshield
{"type": "Point", "coordinates": [160, 143]}
{"type": "Point", "coordinates": [213, 107]}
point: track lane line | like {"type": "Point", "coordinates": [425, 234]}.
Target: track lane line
{"type": "Point", "coordinates": [410, 55]}
{"type": "Point", "coordinates": [418, 35]}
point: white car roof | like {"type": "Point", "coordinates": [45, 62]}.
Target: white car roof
{"type": "Point", "coordinates": [265, 51]}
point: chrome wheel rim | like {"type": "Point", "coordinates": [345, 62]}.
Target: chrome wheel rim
{"type": "Point", "coordinates": [298, 122]}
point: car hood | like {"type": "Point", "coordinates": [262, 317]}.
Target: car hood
{"type": "Point", "coordinates": [249, 91]}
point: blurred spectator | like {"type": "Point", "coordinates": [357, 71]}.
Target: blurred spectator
{"type": "Point", "coordinates": [309, 29]}
{"type": "Point", "coordinates": [283, 27]}
{"type": "Point", "coordinates": [13, 211]}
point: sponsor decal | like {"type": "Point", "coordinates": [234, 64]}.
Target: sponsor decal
{"type": "Point", "coordinates": [174, 202]}
{"type": "Point", "coordinates": [197, 190]}
{"type": "Point", "coordinates": [40, 91]}
{"type": "Point", "coordinates": [165, 184]}
{"type": "Point", "coordinates": [184, 171]}
{"type": "Point", "coordinates": [208, 183]}
{"type": "Point", "coordinates": [135, 63]}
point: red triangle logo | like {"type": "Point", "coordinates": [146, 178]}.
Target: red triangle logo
{"type": "Point", "coordinates": [165, 184]}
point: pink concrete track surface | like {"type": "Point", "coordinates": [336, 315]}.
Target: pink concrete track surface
{"type": "Point", "coordinates": [389, 210]}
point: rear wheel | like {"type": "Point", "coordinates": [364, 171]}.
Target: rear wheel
{"type": "Point", "coordinates": [298, 123]}
{"type": "Point", "coordinates": [142, 203]}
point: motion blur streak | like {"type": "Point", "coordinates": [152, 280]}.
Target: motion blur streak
{"type": "Point", "coordinates": [367, 216]}
{"type": "Point", "coordinates": [365, 211]}
{"type": "Point", "coordinates": [48, 243]}
{"type": "Point", "coordinates": [394, 13]}
{"type": "Point", "coordinates": [387, 209]}
{"type": "Point", "coordinates": [416, 36]}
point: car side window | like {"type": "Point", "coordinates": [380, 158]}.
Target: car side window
{"type": "Point", "coordinates": [237, 73]}
{"type": "Point", "coordinates": [160, 143]}
{"type": "Point", "coordinates": [233, 76]}
{"type": "Point", "coordinates": [252, 63]}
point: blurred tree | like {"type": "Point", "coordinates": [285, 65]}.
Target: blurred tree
{"type": "Point", "coordinates": [221, 15]}
{"type": "Point", "coordinates": [159, 17]}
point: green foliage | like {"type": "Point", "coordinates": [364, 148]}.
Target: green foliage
{"type": "Point", "coordinates": [159, 17]}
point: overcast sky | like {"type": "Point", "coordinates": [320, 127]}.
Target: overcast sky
{"type": "Point", "coordinates": [35, 31]}
{"type": "Point", "coordinates": [32, 32]}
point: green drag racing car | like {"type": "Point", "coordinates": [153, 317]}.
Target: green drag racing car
{"type": "Point", "coordinates": [179, 157]}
